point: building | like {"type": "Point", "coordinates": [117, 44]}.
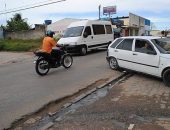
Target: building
{"type": "Point", "coordinates": [155, 32]}
{"type": "Point", "coordinates": [60, 26]}
{"type": "Point", "coordinates": [132, 25]}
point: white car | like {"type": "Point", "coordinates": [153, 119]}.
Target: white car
{"type": "Point", "coordinates": [146, 54]}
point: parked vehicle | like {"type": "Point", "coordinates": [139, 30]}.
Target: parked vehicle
{"type": "Point", "coordinates": [86, 35]}
{"type": "Point", "coordinates": [146, 54]}
{"type": "Point", "coordinates": [56, 59]}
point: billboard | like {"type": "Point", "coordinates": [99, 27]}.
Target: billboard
{"type": "Point", "coordinates": [48, 22]}
{"type": "Point", "coordinates": [109, 10]}
{"type": "Point", "coordinates": [117, 22]}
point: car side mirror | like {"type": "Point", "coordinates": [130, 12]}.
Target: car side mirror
{"type": "Point", "coordinates": [85, 35]}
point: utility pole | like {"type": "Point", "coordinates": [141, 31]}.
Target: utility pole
{"type": "Point", "coordinates": [5, 11]}
{"type": "Point", "coordinates": [99, 11]}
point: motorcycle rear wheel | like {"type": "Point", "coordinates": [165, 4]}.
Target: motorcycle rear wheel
{"type": "Point", "coordinates": [42, 67]}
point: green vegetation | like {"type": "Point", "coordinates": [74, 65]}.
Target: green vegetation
{"type": "Point", "coordinates": [20, 45]}
{"type": "Point", "coordinates": [17, 23]}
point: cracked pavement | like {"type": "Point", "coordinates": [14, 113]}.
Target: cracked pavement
{"type": "Point", "coordinates": [141, 101]}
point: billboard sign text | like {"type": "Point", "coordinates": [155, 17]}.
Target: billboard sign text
{"type": "Point", "coordinates": [109, 10]}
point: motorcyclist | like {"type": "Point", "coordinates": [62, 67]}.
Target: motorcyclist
{"type": "Point", "coordinates": [48, 42]}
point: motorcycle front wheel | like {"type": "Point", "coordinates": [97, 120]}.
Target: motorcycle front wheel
{"type": "Point", "coordinates": [67, 61]}
{"type": "Point", "coordinates": [42, 66]}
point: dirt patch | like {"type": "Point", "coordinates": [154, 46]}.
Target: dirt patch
{"type": "Point", "coordinates": [14, 57]}
{"type": "Point", "coordinates": [148, 127]}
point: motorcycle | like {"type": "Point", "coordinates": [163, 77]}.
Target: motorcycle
{"type": "Point", "coordinates": [57, 58]}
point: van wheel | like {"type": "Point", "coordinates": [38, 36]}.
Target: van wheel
{"type": "Point", "coordinates": [83, 50]}
{"type": "Point", "coordinates": [166, 77]}
{"type": "Point", "coordinates": [113, 63]}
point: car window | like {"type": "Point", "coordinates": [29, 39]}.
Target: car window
{"type": "Point", "coordinates": [126, 44]}
{"type": "Point", "coordinates": [87, 30]}
{"type": "Point", "coordinates": [162, 44]}
{"type": "Point", "coordinates": [143, 46]}
{"type": "Point", "coordinates": [116, 43]}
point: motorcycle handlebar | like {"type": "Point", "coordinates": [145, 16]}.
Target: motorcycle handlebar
{"type": "Point", "coordinates": [63, 46]}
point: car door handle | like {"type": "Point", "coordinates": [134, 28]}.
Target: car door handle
{"type": "Point", "coordinates": [135, 54]}
{"type": "Point", "coordinates": [116, 51]}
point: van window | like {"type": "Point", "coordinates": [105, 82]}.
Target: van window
{"type": "Point", "coordinates": [108, 29]}
{"type": "Point", "coordinates": [126, 44]}
{"type": "Point", "coordinates": [88, 30]}
{"type": "Point", "coordinates": [73, 31]}
{"type": "Point", "coordinates": [98, 29]}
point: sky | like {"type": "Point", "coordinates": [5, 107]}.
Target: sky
{"type": "Point", "coordinates": [158, 11]}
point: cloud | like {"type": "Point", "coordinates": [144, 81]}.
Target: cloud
{"type": "Point", "coordinates": [160, 20]}
{"type": "Point", "coordinates": [156, 10]}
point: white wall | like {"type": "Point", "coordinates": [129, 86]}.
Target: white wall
{"type": "Point", "coordinates": [60, 26]}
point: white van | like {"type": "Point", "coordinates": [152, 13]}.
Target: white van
{"type": "Point", "coordinates": [86, 35]}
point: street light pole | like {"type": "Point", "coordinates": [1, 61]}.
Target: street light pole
{"type": "Point", "coordinates": [5, 10]}
{"type": "Point", "coordinates": [99, 11]}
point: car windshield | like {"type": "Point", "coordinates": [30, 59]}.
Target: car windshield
{"type": "Point", "coordinates": [73, 32]}
{"type": "Point", "coordinates": [163, 45]}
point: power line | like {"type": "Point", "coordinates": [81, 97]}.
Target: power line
{"type": "Point", "coordinates": [7, 12]}
{"type": "Point", "coordinates": [23, 6]}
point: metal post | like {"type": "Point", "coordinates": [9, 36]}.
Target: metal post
{"type": "Point", "coordinates": [6, 13]}
{"type": "Point", "coordinates": [99, 11]}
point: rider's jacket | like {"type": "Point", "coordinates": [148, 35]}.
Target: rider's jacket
{"type": "Point", "coordinates": [48, 44]}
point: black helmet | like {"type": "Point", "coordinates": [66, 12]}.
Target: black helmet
{"type": "Point", "coordinates": [50, 33]}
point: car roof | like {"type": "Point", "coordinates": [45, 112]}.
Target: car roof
{"type": "Point", "coordinates": [141, 37]}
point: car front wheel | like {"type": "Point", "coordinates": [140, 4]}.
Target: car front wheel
{"type": "Point", "coordinates": [83, 50]}
{"type": "Point", "coordinates": [166, 77]}
{"type": "Point", "coordinates": [113, 63]}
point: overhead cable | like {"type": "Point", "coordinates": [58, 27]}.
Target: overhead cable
{"type": "Point", "coordinates": [7, 12]}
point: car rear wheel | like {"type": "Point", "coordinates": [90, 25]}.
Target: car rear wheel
{"type": "Point", "coordinates": [166, 77]}
{"type": "Point", "coordinates": [113, 63]}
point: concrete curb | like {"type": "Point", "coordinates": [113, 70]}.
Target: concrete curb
{"type": "Point", "coordinates": [77, 99]}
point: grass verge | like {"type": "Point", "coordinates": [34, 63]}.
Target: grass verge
{"type": "Point", "coordinates": [20, 45]}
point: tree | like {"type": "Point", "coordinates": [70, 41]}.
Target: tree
{"type": "Point", "coordinates": [17, 23]}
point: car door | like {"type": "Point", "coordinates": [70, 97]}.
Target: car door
{"type": "Point", "coordinates": [124, 52]}
{"type": "Point", "coordinates": [87, 36]}
{"type": "Point", "coordinates": [145, 57]}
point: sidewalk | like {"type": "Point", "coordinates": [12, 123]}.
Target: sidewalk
{"type": "Point", "coordinates": [13, 57]}
{"type": "Point", "coordinates": [139, 103]}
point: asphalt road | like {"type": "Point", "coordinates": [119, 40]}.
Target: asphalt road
{"type": "Point", "coordinates": [22, 91]}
